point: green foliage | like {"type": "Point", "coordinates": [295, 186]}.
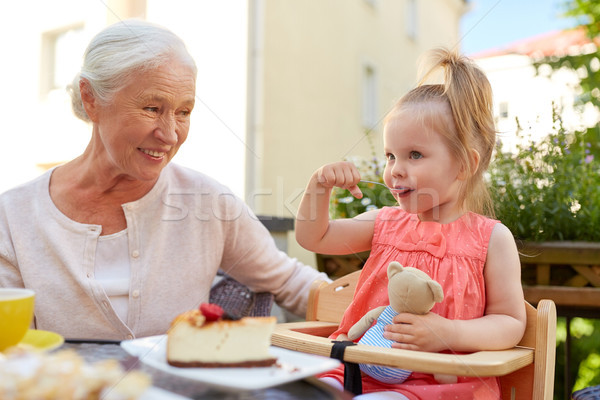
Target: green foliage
{"type": "Point", "coordinates": [585, 355]}
{"type": "Point", "coordinates": [587, 13]}
{"type": "Point", "coordinates": [587, 65]}
{"type": "Point", "coordinates": [586, 61]}
{"type": "Point", "coordinates": [344, 205]}
{"type": "Point", "coordinates": [548, 190]}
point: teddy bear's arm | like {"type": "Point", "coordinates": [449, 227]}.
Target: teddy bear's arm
{"type": "Point", "coordinates": [359, 328]}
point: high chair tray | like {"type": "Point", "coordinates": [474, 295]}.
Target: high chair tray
{"type": "Point", "coordinates": [311, 337]}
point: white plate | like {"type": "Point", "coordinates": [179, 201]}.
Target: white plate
{"type": "Point", "coordinates": [290, 366]}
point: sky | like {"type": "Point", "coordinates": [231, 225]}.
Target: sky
{"type": "Point", "coordinates": [495, 23]}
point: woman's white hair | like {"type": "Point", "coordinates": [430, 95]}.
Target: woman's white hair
{"type": "Point", "coordinates": [120, 51]}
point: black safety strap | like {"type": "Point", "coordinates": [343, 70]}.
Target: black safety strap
{"type": "Point", "coordinates": [352, 378]}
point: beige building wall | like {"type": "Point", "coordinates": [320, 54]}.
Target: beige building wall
{"type": "Point", "coordinates": [312, 57]}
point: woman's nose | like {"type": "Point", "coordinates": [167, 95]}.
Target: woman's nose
{"type": "Point", "coordinates": [166, 130]}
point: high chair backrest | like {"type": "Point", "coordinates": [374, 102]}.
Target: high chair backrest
{"type": "Point", "coordinates": [327, 303]}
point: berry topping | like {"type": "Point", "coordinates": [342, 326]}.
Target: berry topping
{"type": "Point", "coordinates": [211, 312]}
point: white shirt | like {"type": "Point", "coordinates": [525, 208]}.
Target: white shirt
{"type": "Point", "coordinates": [113, 271]}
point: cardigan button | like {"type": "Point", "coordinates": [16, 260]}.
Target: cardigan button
{"type": "Point", "coordinates": [135, 254]}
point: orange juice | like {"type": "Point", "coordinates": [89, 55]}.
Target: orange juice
{"type": "Point", "coordinates": [16, 314]}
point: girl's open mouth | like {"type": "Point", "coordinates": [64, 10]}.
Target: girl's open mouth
{"type": "Point", "coordinates": [401, 190]}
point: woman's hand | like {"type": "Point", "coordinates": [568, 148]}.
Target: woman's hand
{"type": "Point", "coordinates": [429, 332]}
{"type": "Point", "coordinates": [342, 174]}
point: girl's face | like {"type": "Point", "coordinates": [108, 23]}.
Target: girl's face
{"type": "Point", "coordinates": [140, 131]}
{"type": "Point", "coordinates": [420, 166]}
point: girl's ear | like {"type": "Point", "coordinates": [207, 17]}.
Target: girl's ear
{"type": "Point", "coordinates": [474, 158]}
{"type": "Point", "coordinates": [88, 99]}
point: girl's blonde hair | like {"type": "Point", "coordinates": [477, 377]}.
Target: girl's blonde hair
{"type": "Point", "coordinates": [468, 94]}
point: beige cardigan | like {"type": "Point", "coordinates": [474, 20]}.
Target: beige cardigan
{"type": "Point", "coordinates": [180, 233]}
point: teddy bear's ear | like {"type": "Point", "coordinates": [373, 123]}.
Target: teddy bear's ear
{"type": "Point", "coordinates": [393, 268]}
{"type": "Point", "coordinates": [436, 290]}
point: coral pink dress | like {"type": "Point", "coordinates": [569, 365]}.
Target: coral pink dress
{"type": "Point", "coordinates": [454, 255]}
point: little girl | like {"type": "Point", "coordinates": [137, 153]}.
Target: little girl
{"type": "Point", "coordinates": [438, 141]}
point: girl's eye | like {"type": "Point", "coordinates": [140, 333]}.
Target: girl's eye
{"type": "Point", "coordinates": [415, 155]}
{"type": "Point", "coordinates": [390, 156]}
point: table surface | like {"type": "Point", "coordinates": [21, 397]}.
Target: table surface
{"type": "Point", "coordinates": [308, 388]}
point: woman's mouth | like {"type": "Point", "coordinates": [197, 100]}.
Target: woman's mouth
{"type": "Point", "coordinates": [153, 153]}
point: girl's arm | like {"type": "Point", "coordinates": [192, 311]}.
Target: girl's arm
{"type": "Point", "coordinates": [315, 231]}
{"type": "Point", "coordinates": [505, 303]}
{"type": "Point", "coordinates": [501, 327]}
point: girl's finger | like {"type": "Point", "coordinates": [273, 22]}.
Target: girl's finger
{"type": "Point", "coordinates": [356, 192]}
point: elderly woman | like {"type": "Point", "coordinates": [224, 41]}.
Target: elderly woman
{"type": "Point", "coordinates": [120, 240]}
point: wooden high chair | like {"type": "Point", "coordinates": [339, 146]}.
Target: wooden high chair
{"type": "Point", "coordinates": [526, 371]}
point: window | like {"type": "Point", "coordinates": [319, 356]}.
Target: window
{"type": "Point", "coordinates": [503, 109]}
{"type": "Point", "coordinates": [369, 97]}
{"type": "Point", "coordinates": [62, 52]}
{"type": "Point", "coordinates": [411, 18]}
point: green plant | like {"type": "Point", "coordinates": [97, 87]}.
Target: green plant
{"type": "Point", "coordinates": [585, 62]}
{"type": "Point", "coordinates": [343, 205]}
{"type": "Point", "coordinates": [585, 344]}
{"type": "Point", "coordinates": [548, 190]}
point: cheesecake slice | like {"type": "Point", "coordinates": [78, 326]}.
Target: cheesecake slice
{"type": "Point", "coordinates": [197, 339]}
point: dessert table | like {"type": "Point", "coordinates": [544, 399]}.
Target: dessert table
{"type": "Point", "coordinates": [182, 388]}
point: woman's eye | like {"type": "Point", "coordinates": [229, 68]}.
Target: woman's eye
{"type": "Point", "coordinates": [151, 109]}
{"type": "Point", "coordinates": [415, 155]}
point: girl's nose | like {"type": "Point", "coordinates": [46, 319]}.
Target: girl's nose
{"type": "Point", "coordinates": [398, 168]}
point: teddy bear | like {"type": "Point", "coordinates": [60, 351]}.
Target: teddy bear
{"type": "Point", "coordinates": [409, 290]}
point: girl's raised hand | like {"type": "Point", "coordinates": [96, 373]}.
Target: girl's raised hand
{"type": "Point", "coordinates": [315, 231]}
{"type": "Point", "coordinates": [343, 174]}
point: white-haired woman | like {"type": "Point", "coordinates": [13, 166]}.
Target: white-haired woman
{"type": "Point", "coordinates": [120, 240]}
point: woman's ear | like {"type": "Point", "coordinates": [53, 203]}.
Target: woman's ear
{"type": "Point", "coordinates": [474, 158]}
{"type": "Point", "coordinates": [88, 99]}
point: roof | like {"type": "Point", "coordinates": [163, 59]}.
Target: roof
{"type": "Point", "coordinates": [554, 43]}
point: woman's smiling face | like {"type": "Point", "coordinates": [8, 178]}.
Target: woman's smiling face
{"type": "Point", "coordinates": [420, 166]}
{"type": "Point", "coordinates": [141, 130]}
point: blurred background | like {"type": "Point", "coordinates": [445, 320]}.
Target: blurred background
{"type": "Point", "coordinates": [285, 86]}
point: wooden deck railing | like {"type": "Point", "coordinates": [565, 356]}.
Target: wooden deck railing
{"type": "Point", "coordinates": [566, 272]}
{"type": "Point", "coordinates": [569, 274]}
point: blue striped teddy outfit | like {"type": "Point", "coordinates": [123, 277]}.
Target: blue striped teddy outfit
{"type": "Point", "coordinates": [374, 337]}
